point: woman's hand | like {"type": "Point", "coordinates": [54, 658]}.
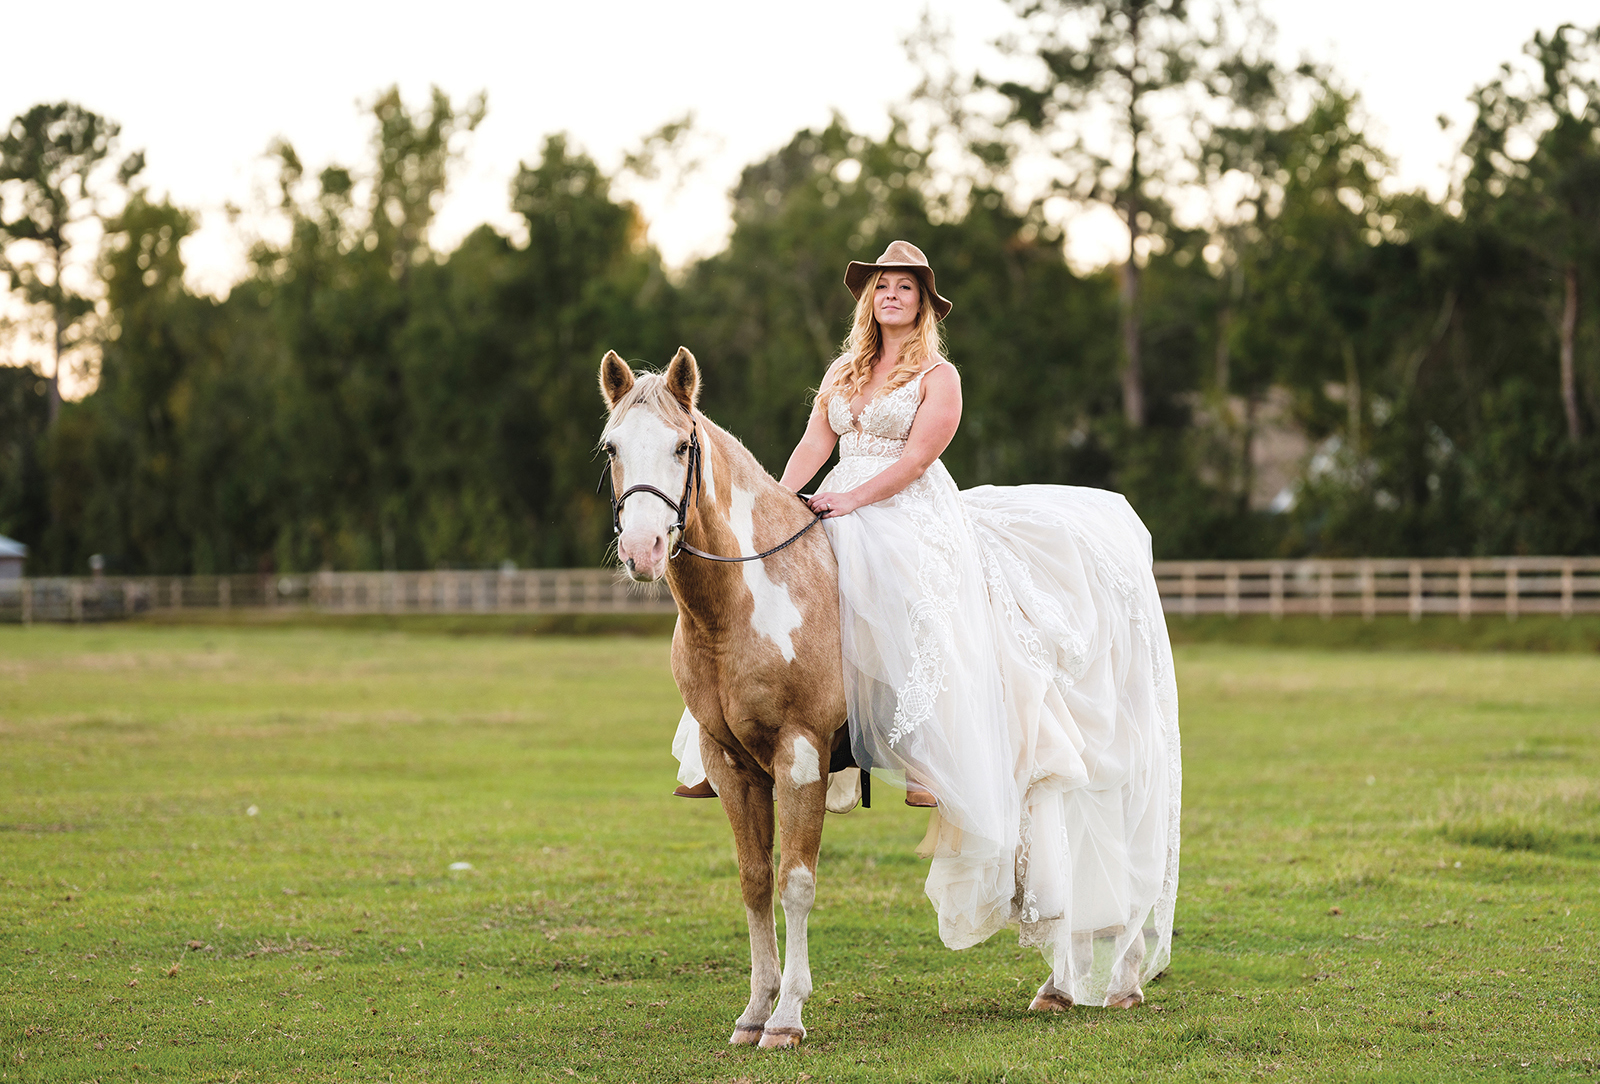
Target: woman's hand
{"type": "Point", "coordinates": [833, 505]}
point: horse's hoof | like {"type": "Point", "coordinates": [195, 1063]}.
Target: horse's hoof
{"type": "Point", "coordinates": [781, 1038]}
{"type": "Point", "coordinates": [1043, 1002]}
{"type": "Point", "coordinates": [745, 1035]}
{"type": "Point", "coordinates": [1128, 1002]}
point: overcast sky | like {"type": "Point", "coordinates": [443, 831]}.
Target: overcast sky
{"type": "Point", "coordinates": [204, 87]}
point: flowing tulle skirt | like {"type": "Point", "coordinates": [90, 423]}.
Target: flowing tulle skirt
{"type": "Point", "coordinates": [1005, 647]}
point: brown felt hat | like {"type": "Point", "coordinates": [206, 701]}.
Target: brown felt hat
{"type": "Point", "coordinates": [899, 256]}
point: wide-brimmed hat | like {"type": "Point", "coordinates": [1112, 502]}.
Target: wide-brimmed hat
{"type": "Point", "coordinates": [899, 256]}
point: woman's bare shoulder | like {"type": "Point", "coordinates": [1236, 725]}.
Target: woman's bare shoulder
{"type": "Point", "coordinates": [941, 373]}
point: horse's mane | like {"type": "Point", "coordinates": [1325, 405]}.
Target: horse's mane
{"type": "Point", "coordinates": [650, 392]}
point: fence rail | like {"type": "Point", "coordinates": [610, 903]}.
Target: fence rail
{"type": "Point", "coordinates": [1467, 588]}
{"type": "Point", "coordinates": [535, 591]}
{"type": "Point", "coordinates": [1477, 587]}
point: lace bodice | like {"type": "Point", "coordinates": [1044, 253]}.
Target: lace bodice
{"type": "Point", "coordinates": [881, 429]}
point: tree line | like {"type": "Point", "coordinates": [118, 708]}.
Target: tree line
{"type": "Point", "coordinates": [362, 400]}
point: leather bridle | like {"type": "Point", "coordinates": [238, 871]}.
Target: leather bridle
{"type": "Point", "coordinates": [692, 486]}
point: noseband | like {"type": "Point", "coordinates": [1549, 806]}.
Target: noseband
{"type": "Point", "coordinates": [692, 486]}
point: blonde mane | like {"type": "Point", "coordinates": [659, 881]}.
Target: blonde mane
{"type": "Point", "coordinates": [852, 372]}
{"type": "Point", "coordinates": [650, 391]}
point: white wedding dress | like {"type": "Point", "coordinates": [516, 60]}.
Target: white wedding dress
{"type": "Point", "coordinates": [1005, 647]}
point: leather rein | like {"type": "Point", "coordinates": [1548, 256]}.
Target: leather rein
{"type": "Point", "coordinates": [692, 487]}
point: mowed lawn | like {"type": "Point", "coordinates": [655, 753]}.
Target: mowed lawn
{"type": "Point", "coordinates": [227, 857]}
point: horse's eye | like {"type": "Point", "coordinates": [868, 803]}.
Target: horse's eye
{"type": "Point", "coordinates": [610, 450]}
{"type": "Point", "coordinates": [683, 446]}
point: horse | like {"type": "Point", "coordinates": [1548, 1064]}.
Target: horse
{"type": "Point", "coordinates": [755, 653]}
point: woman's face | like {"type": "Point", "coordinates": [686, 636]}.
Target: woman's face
{"type": "Point", "coordinates": [896, 299]}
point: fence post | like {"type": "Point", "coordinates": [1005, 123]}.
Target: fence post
{"type": "Point", "coordinates": [1188, 590]}
{"type": "Point", "coordinates": [76, 594]}
{"type": "Point", "coordinates": [1369, 592]}
{"type": "Point", "coordinates": [1511, 591]}
{"type": "Point", "coordinates": [27, 603]}
{"type": "Point", "coordinates": [225, 592]}
{"type": "Point", "coordinates": [1230, 590]}
{"type": "Point", "coordinates": [1275, 592]}
{"type": "Point", "coordinates": [1566, 590]}
{"type": "Point", "coordinates": [1464, 590]}
{"type": "Point", "coordinates": [1325, 602]}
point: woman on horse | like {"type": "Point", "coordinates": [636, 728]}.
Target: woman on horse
{"type": "Point", "coordinates": [1004, 649]}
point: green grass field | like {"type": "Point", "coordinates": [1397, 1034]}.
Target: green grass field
{"type": "Point", "coordinates": [227, 857]}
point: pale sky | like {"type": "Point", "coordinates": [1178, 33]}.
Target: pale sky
{"type": "Point", "coordinates": [204, 87]}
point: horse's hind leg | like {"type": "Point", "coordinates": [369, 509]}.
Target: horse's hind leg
{"type": "Point", "coordinates": [801, 788]}
{"type": "Point", "coordinates": [748, 803]}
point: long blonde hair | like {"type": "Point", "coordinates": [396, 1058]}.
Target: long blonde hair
{"type": "Point", "coordinates": [853, 371]}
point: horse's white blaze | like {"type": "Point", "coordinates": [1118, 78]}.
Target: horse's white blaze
{"type": "Point", "coordinates": [775, 615]}
{"type": "Point", "coordinates": [807, 766]}
{"type": "Point", "coordinates": [645, 447]}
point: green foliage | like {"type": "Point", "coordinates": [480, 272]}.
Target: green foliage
{"type": "Point", "coordinates": [361, 400]}
{"type": "Point", "coordinates": [24, 415]}
{"type": "Point", "coordinates": [1385, 875]}
{"type": "Point", "coordinates": [50, 161]}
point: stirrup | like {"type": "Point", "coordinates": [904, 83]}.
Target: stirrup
{"type": "Point", "coordinates": [701, 789]}
{"type": "Point", "coordinates": [920, 797]}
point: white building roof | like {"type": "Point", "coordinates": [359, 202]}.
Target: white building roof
{"type": "Point", "coordinates": [10, 547]}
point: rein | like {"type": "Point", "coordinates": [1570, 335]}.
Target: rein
{"type": "Point", "coordinates": [691, 487]}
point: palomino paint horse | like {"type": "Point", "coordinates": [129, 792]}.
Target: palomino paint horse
{"type": "Point", "coordinates": [755, 653]}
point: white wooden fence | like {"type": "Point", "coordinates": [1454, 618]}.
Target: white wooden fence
{"type": "Point", "coordinates": [1471, 587]}
{"type": "Point", "coordinates": [1467, 588]}
{"type": "Point", "coordinates": [533, 591]}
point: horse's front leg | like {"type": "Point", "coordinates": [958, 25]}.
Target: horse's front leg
{"type": "Point", "coordinates": [748, 803]}
{"type": "Point", "coordinates": [800, 773]}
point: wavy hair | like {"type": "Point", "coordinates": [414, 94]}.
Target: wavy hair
{"type": "Point", "coordinates": [853, 371]}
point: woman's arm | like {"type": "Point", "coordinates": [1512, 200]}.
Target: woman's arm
{"type": "Point", "coordinates": [937, 420]}
{"type": "Point", "coordinates": [808, 457]}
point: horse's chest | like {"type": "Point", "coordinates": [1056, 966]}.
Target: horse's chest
{"type": "Point", "coordinates": [745, 677]}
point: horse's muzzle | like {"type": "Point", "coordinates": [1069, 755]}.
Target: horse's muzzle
{"type": "Point", "coordinates": [643, 555]}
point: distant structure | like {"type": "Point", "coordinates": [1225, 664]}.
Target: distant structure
{"type": "Point", "coordinates": [12, 556]}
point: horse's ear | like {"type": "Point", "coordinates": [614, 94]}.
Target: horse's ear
{"type": "Point", "coordinates": [616, 379]}
{"type": "Point", "coordinates": [683, 378]}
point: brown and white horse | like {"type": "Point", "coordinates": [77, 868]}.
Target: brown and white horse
{"type": "Point", "coordinates": [755, 652]}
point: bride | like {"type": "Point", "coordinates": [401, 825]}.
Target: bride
{"type": "Point", "coordinates": [1005, 657]}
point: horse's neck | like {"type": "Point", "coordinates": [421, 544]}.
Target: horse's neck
{"type": "Point", "coordinates": [736, 468]}
{"type": "Point", "coordinates": [730, 473]}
